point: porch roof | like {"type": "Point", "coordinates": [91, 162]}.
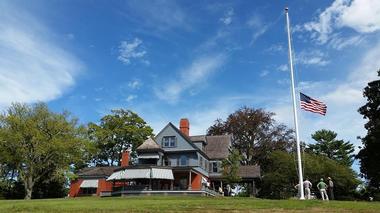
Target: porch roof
{"type": "Point", "coordinates": [142, 173]}
{"type": "Point", "coordinates": [90, 183]}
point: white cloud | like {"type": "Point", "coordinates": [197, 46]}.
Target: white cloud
{"type": "Point", "coordinates": [131, 98]}
{"type": "Point", "coordinates": [283, 67]}
{"type": "Point", "coordinates": [227, 18]}
{"type": "Point", "coordinates": [339, 43]}
{"type": "Point", "coordinates": [70, 36]}
{"type": "Point", "coordinates": [134, 84]}
{"type": "Point", "coordinates": [132, 49]}
{"type": "Point", "coordinates": [314, 57]}
{"type": "Point", "coordinates": [360, 15]}
{"type": "Point", "coordinates": [191, 76]}
{"type": "Point", "coordinates": [258, 26]}
{"type": "Point", "coordinates": [157, 15]}
{"type": "Point", "coordinates": [33, 67]}
{"type": "Point", "coordinates": [264, 73]}
{"type": "Point", "coordinates": [275, 48]}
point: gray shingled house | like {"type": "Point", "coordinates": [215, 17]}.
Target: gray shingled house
{"type": "Point", "coordinates": [173, 162]}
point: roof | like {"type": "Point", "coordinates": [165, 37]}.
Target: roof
{"type": "Point", "coordinates": [198, 138]}
{"type": "Point", "coordinates": [187, 138]}
{"type": "Point", "coordinates": [103, 171]}
{"type": "Point", "coordinates": [142, 173]}
{"type": "Point", "coordinates": [149, 144]}
{"type": "Point", "coordinates": [249, 171]}
{"type": "Point", "coordinates": [218, 146]}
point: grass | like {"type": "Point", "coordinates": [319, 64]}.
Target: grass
{"type": "Point", "coordinates": [183, 204]}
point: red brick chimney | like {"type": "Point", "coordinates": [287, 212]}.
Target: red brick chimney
{"type": "Point", "coordinates": [125, 158]}
{"type": "Point", "coordinates": [184, 126]}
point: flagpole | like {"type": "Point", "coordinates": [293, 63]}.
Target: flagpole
{"type": "Point", "coordinates": [302, 196]}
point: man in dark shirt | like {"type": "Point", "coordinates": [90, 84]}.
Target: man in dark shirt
{"type": "Point", "coordinates": [330, 188]}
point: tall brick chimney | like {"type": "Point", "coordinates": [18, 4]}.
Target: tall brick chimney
{"type": "Point", "coordinates": [184, 126]}
{"type": "Point", "coordinates": [125, 158]}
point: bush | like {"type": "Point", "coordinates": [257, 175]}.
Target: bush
{"type": "Point", "coordinates": [281, 176]}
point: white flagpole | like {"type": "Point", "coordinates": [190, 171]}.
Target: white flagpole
{"type": "Point", "coordinates": [302, 196]}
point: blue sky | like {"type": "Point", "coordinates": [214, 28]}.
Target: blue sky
{"type": "Point", "coordinates": [197, 59]}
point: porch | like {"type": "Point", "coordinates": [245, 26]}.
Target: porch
{"type": "Point", "coordinates": [151, 180]}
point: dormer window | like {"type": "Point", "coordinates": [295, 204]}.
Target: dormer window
{"type": "Point", "coordinates": [168, 141]}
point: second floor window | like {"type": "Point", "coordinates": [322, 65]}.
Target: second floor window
{"type": "Point", "coordinates": [183, 161]}
{"type": "Point", "coordinates": [214, 167]}
{"type": "Point", "coordinates": [168, 141]}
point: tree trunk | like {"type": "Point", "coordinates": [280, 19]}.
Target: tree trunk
{"type": "Point", "coordinates": [29, 183]}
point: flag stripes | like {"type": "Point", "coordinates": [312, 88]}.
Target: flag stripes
{"type": "Point", "coordinates": [312, 105]}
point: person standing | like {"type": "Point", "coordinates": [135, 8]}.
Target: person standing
{"type": "Point", "coordinates": [322, 189]}
{"type": "Point", "coordinates": [307, 185]}
{"type": "Point", "coordinates": [331, 188]}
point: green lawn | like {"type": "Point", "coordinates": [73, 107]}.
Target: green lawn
{"type": "Point", "coordinates": [183, 204]}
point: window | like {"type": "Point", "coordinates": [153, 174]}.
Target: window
{"type": "Point", "coordinates": [166, 161]}
{"type": "Point", "coordinates": [168, 141]}
{"type": "Point", "coordinates": [183, 161]}
{"type": "Point", "coordinates": [201, 162]}
{"type": "Point", "coordinates": [214, 167]}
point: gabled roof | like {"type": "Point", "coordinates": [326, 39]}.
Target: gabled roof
{"type": "Point", "coordinates": [103, 171]}
{"type": "Point", "coordinates": [218, 146]}
{"type": "Point", "coordinates": [249, 171]}
{"type": "Point", "coordinates": [187, 138]}
{"type": "Point", "coordinates": [149, 144]}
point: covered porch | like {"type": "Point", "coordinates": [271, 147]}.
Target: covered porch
{"type": "Point", "coordinates": [150, 180]}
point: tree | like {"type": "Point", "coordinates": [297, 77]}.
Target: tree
{"type": "Point", "coordinates": [118, 131]}
{"type": "Point", "coordinates": [38, 142]}
{"type": "Point", "coordinates": [255, 134]}
{"type": "Point", "coordinates": [231, 167]}
{"type": "Point", "coordinates": [329, 146]}
{"type": "Point", "coordinates": [369, 155]}
{"type": "Point", "coordinates": [281, 177]}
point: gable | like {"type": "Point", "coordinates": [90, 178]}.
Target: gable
{"type": "Point", "coordinates": [181, 142]}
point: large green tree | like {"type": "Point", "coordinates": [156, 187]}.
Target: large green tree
{"type": "Point", "coordinates": [231, 167]}
{"type": "Point", "coordinates": [369, 155]}
{"type": "Point", "coordinates": [120, 130]}
{"type": "Point", "coordinates": [255, 134]}
{"type": "Point", "coordinates": [40, 144]}
{"type": "Point", "coordinates": [327, 145]}
{"type": "Point", "coordinates": [281, 177]}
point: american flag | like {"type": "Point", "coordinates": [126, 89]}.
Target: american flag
{"type": "Point", "coordinates": [312, 105]}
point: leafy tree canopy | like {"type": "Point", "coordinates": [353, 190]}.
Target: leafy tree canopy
{"type": "Point", "coordinates": [327, 145]}
{"type": "Point", "coordinates": [120, 130]}
{"type": "Point", "coordinates": [231, 167]}
{"type": "Point", "coordinates": [369, 155]}
{"type": "Point", "coordinates": [40, 144]}
{"type": "Point", "coordinates": [255, 134]}
{"type": "Point", "coordinates": [281, 177]}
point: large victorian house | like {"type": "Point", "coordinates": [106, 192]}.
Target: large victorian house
{"type": "Point", "coordinates": [173, 162]}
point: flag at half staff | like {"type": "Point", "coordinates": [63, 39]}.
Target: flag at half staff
{"type": "Point", "coordinates": [312, 105]}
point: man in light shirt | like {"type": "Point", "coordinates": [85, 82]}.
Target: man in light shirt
{"type": "Point", "coordinates": [307, 185]}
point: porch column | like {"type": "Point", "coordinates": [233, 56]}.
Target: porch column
{"type": "Point", "coordinates": [171, 184]}
{"type": "Point", "coordinates": [189, 188]}
{"type": "Point", "coordinates": [253, 188]}
{"type": "Point", "coordinates": [150, 183]}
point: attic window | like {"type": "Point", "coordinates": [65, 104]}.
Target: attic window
{"type": "Point", "coordinates": [168, 141]}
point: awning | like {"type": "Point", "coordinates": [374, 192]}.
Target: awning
{"type": "Point", "coordinates": [162, 174]}
{"type": "Point", "coordinates": [151, 173]}
{"type": "Point", "coordinates": [149, 156]}
{"type": "Point", "coordinates": [89, 183]}
{"type": "Point", "coordinates": [116, 175]}
{"type": "Point", "coordinates": [137, 174]}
